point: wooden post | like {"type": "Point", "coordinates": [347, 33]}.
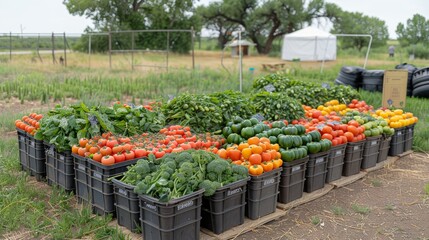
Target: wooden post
{"type": "Point", "coordinates": [89, 51]}
{"type": "Point", "coordinates": [53, 49]}
{"type": "Point", "coordinates": [192, 44]}
{"type": "Point", "coordinates": [168, 47]}
{"type": "Point", "coordinates": [65, 50]}
{"type": "Point", "coordinates": [110, 50]}
{"type": "Point", "coordinates": [38, 45]}
{"type": "Point", "coordinates": [132, 51]}
{"type": "Point", "coordinates": [10, 46]}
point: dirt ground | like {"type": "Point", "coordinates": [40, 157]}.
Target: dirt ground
{"type": "Point", "coordinates": [386, 204]}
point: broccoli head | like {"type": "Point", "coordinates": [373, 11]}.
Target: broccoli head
{"type": "Point", "coordinates": [210, 187]}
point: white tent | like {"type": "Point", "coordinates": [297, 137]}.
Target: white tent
{"type": "Point", "coordinates": [309, 44]}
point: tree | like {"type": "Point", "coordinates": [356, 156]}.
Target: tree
{"type": "Point", "coordinates": [223, 27]}
{"type": "Point", "coordinates": [264, 21]}
{"type": "Point", "coordinates": [358, 23]}
{"type": "Point", "coordinates": [115, 15]}
{"type": "Point", "coordinates": [415, 31]}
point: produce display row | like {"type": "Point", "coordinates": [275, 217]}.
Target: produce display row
{"type": "Point", "coordinates": [155, 175]}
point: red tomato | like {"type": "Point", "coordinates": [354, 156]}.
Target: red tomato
{"type": "Point", "coordinates": [83, 142]}
{"type": "Point", "coordinates": [106, 151]}
{"type": "Point", "coordinates": [159, 154]}
{"type": "Point", "coordinates": [119, 157]}
{"type": "Point", "coordinates": [129, 155]}
{"type": "Point", "coordinates": [327, 136]}
{"type": "Point", "coordinates": [111, 143]}
{"type": "Point", "coordinates": [108, 160]}
{"type": "Point", "coordinates": [140, 152]}
{"type": "Point", "coordinates": [97, 157]}
{"type": "Point", "coordinates": [117, 149]}
{"type": "Point", "coordinates": [185, 146]}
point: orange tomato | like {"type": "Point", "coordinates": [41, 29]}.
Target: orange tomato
{"type": "Point", "coordinates": [97, 157]}
{"type": "Point", "coordinates": [243, 146]}
{"type": "Point", "coordinates": [75, 149]}
{"type": "Point", "coordinates": [234, 154]}
{"type": "Point", "coordinates": [81, 151]}
{"type": "Point", "coordinates": [349, 136]}
{"type": "Point", "coordinates": [83, 142]}
{"type": "Point", "coordinates": [266, 156]}
{"type": "Point", "coordinates": [107, 160]}
{"type": "Point", "coordinates": [253, 141]}
{"type": "Point", "coordinates": [222, 153]}
{"type": "Point", "coordinates": [255, 159]}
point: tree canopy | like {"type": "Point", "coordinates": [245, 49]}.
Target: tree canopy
{"type": "Point", "coordinates": [113, 15]}
{"type": "Point", "coordinates": [358, 23]}
{"type": "Point", "coordinates": [263, 21]}
{"type": "Point", "coordinates": [415, 31]}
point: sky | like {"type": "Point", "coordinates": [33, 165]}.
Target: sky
{"type": "Point", "coordinates": [47, 16]}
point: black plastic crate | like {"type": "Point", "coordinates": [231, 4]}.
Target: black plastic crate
{"type": "Point", "coordinates": [127, 205]}
{"type": "Point", "coordinates": [397, 142]}
{"type": "Point", "coordinates": [315, 174]}
{"type": "Point", "coordinates": [408, 137]}
{"type": "Point", "coordinates": [101, 188]}
{"type": "Point", "coordinates": [226, 208]}
{"type": "Point", "coordinates": [177, 219]}
{"type": "Point", "coordinates": [335, 163]}
{"type": "Point", "coordinates": [292, 180]}
{"type": "Point", "coordinates": [22, 147]}
{"type": "Point", "coordinates": [353, 158]}
{"type": "Point", "coordinates": [384, 148]}
{"type": "Point", "coordinates": [36, 157]}
{"type": "Point", "coordinates": [370, 152]}
{"type": "Point", "coordinates": [50, 155]}
{"type": "Point", "coordinates": [262, 192]}
{"type": "Point", "coordinates": [82, 179]}
{"type": "Point", "coordinates": [65, 170]}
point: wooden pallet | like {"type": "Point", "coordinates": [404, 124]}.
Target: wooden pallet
{"type": "Point", "coordinates": [343, 181]}
{"type": "Point", "coordinates": [282, 209]}
{"type": "Point", "coordinates": [248, 225]}
{"type": "Point", "coordinates": [306, 197]}
{"type": "Point", "coordinates": [389, 161]}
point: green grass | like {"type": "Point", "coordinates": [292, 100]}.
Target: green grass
{"type": "Point", "coordinates": [338, 211]}
{"type": "Point", "coordinates": [426, 189]}
{"type": "Point", "coordinates": [315, 220]}
{"type": "Point", "coordinates": [45, 212]}
{"type": "Point", "coordinates": [390, 207]}
{"type": "Point", "coordinates": [376, 182]}
{"type": "Point", "coordinates": [364, 210]}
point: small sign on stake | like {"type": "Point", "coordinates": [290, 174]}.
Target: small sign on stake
{"type": "Point", "coordinates": [259, 117]}
{"type": "Point", "coordinates": [270, 88]}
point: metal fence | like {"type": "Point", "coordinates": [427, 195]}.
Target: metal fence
{"type": "Point", "coordinates": [60, 45]}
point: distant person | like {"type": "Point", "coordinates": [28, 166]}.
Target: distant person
{"type": "Point", "coordinates": [391, 51]}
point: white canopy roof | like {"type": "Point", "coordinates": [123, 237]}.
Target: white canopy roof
{"type": "Point", "coordinates": [309, 44]}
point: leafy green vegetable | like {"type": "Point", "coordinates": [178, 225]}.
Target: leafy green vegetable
{"type": "Point", "coordinates": [277, 106]}
{"type": "Point", "coordinates": [200, 112]}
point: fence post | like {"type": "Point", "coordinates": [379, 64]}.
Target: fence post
{"type": "Point", "coordinates": [168, 46]}
{"type": "Point", "coordinates": [65, 50]}
{"type": "Point", "coordinates": [53, 49]}
{"type": "Point", "coordinates": [132, 51]}
{"type": "Point", "coordinates": [89, 51]}
{"type": "Point", "coordinates": [10, 46]}
{"type": "Point", "coordinates": [192, 43]}
{"type": "Point", "coordinates": [110, 50]}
